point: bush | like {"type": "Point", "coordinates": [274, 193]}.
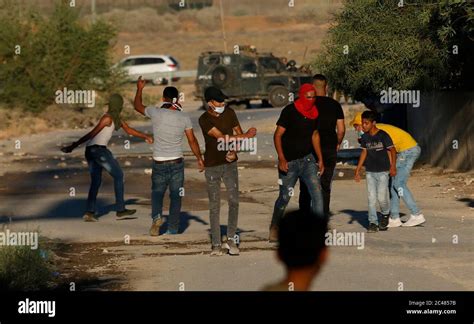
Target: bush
{"type": "Point", "coordinates": [56, 52]}
{"type": "Point", "coordinates": [22, 268]}
{"type": "Point", "coordinates": [400, 47]}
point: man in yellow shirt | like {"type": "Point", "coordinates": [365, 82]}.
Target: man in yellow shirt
{"type": "Point", "coordinates": [408, 151]}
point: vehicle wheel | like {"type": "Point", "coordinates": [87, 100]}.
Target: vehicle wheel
{"type": "Point", "coordinates": [158, 81]}
{"type": "Point", "coordinates": [278, 96]}
{"type": "Point", "coordinates": [239, 105]}
{"type": "Point", "coordinates": [221, 76]}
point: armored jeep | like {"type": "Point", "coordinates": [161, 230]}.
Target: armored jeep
{"type": "Point", "coordinates": [249, 75]}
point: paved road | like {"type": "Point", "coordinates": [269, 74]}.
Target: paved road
{"type": "Point", "coordinates": [35, 191]}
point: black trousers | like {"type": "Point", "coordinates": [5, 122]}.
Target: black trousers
{"type": "Point", "coordinates": [329, 159]}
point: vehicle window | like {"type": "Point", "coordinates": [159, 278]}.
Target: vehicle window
{"type": "Point", "coordinates": [149, 60]}
{"type": "Point", "coordinates": [128, 62]}
{"type": "Point", "coordinates": [270, 63]}
{"type": "Point", "coordinates": [211, 60]}
{"type": "Point", "coordinates": [249, 66]}
{"type": "Point", "coordinates": [174, 61]}
{"type": "Point", "coordinates": [159, 60]}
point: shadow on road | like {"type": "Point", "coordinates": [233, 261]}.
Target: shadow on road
{"type": "Point", "coordinates": [185, 219]}
{"type": "Point", "coordinates": [69, 208]}
{"type": "Point", "coordinates": [469, 202]}
{"type": "Point", "coordinates": [359, 216]}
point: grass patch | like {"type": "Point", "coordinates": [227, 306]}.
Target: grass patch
{"type": "Point", "coordinates": [24, 269]}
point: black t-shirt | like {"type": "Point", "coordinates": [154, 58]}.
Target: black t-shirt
{"type": "Point", "coordinates": [377, 157]}
{"type": "Point", "coordinates": [225, 122]}
{"type": "Point", "coordinates": [329, 112]}
{"type": "Point", "coordinates": [297, 139]}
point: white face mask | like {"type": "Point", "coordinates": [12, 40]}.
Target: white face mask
{"type": "Point", "coordinates": [218, 110]}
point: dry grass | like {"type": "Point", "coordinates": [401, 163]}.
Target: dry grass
{"type": "Point", "coordinates": [270, 25]}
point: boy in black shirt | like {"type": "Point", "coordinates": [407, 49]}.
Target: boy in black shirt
{"type": "Point", "coordinates": [379, 156]}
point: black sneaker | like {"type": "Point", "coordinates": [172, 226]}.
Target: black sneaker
{"type": "Point", "coordinates": [126, 212]}
{"type": "Point", "coordinates": [373, 228]}
{"type": "Point", "coordinates": [383, 226]}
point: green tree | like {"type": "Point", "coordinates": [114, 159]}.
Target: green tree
{"type": "Point", "coordinates": [377, 44]}
{"type": "Point", "coordinates": [56, 52]}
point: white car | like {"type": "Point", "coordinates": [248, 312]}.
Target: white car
{"type": "Point", "coordinates": [149, 67]}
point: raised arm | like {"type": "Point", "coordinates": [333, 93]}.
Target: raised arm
{"type": "Point", "coordinates": [106, 120]}
{"type": "Point", "coordinates": [137, 103]}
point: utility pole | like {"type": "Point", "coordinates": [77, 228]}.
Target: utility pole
{"type": "Point", "coordinates": [93, 11]}
{"type": "Point", "coordinates": [223, 27]}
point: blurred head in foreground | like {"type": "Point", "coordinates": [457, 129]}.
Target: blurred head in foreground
{"type": "Point", "coordinates": [301, 249]}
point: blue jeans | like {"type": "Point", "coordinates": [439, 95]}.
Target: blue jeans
{"type": "Point", "coordinates": [377, 191]}
{"type": "Point", "coordinates": [306, 171]}
{"type": "Point", "coordinates": [166, 175]}
{"type": "Point", "coordinates": [399, 188]}
{"type": "Point", "coordinates": [98, 158]}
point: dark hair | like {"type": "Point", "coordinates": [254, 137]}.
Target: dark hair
{"type": "Point", "coordinates": [301, 238]}
{"type": "Point", "coordinates": [370, 115]}
{"type": "Point", "coordinates": [319, 77]}
{"type": "Point", "coordinates": [171, 93]}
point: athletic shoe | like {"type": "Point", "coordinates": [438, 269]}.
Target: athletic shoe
{"type": "Point", "coordinates": [89, 217]}
{"type": "Point", "coordinates": [231, 247]}
{"type": "Point", "coordinates": [273, 237]}
{"type": "Point", "coordinates": [155, 227]}
{"type": "Point", "coordinates": [216, 251]}
{"type": "Point", "coordinates": [414, 220]}
{"type": "Point", "coordinates": [383, 226]}
{"type": "Point", "coordinates": [126, 212]}
{"type": "Point", "coordinates": [394, 222]}
{"type": "Point", "coordinates": [373, 228]}
{"type": "Point", "coordinates": [170, 232]}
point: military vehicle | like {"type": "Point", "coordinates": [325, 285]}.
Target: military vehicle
{"type": "Point", "coordinates": [248, 75]}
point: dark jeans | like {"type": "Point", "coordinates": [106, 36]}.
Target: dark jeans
{"type": "Point", "coordinates": [99, 157]}
{"type": "Point", "coordinates": [304, 169]}
{"type": "Point", "coordinates": [166, 175]}
{"type": "Point", "coordinates": [329, 159]}
{"type": "Point", "coordinates": [227, 173]}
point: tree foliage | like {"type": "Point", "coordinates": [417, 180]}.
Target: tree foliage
{"type": "Point", "coordinates": [377, 44]}
{"type": "Point", "coordinates": [40, 55]}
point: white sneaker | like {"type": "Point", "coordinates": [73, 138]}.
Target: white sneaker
{"type": "Point", "coordinates": [394, 222]}
{"type": "Point", "coordinates": [414, 220]}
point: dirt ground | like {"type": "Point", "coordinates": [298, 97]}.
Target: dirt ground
{"type": "Point", "coordinates": [34, 190]}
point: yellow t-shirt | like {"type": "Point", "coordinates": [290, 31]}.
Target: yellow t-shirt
{"type": "Point", "coordinates": [401, 139]}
